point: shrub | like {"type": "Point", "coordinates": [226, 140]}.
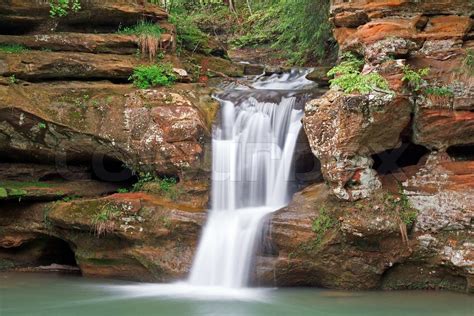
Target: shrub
{"type": "Point", "coordinates": [347, 76]}
{"type": "Point", "coordinates": [145, 77]}
{"type": "Point", "coordinates": [61, 8]}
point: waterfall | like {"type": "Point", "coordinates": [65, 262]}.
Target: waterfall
{"type": "Point", "coordinates": [252, 162]}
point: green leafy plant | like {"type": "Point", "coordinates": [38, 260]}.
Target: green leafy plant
{"type": "Point", "coordinates": [41, 125]}
{"type": "Point", "coordinates": [415, 78]}
{"type": "Point", "coordinates": [145, 77]}
{"type": "Point", "coordinates": [348, 77]}
{"type": "Point", "coordinates": [122, 190]}
{"type": "Point", "coordinates": [61, 8]}
{"type": "Point", "coordinates": [12, 48]}
{"type": "Point", "coordinates": [12, 79]}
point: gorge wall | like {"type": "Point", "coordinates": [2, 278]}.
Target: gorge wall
{"type": "Point", "coordinates": [396, 211]}
{"type": "Point", "coordinates": [74, 131]}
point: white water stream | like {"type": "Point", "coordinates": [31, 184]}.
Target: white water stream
{"type": "Point", "coordinates": [252, 163]}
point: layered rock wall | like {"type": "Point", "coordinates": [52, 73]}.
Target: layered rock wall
{"type": "Point", "coordinates": [397, 208]}
{"type": "Point", "coordinates": [73, 131]}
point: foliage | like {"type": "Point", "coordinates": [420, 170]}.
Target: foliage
{"type": "Point", "coordinates": [41, 125]}
{"type": "Point", "coordinates": [299, 28]}
{"type": "Point", "coordinates": [145, 77]}
{"type": "Point", "coordinates": [122, 190]}
{"type": "Point", "coordinates": [188, 35]}
{"type": "Point", "coordinates": [61, 8]}
{"type": "Point", "coordinates": [415, 78]}
{"type": "Point", "coordinates": [439, 91]}
{"type": "Point", "coordinates": [347, 76]}
{"type": "Point", "coordinates": [12, 48]}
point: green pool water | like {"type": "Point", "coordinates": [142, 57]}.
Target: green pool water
{"type": "Point", "coordinates": [51, 294]}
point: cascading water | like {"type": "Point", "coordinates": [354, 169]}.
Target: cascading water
{"type": "Point", "coordinates": [252, 161]}
{"type": "Point", "coordinates": [253, 150]}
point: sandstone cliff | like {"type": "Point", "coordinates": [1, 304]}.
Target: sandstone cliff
{"type": "Point", "coordinates": [398, 208]}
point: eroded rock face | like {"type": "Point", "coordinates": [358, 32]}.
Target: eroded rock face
{"type": "Point", "coordinates": [161, 130]}
{"type": "Point", "coordinates": [356, 233]}
{"type": "Point", "coordinates": [68, 112]}
{"type": "Point", "coordinates": [361, 245]}
{"type": "Point", "coordinates": [345, 130]}
{"type": "Point", "coordinates": [133, 236]}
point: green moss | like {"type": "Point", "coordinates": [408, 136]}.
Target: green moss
{"type": "Point", "coordinates": [439, 91]}
{"type": "Point", "coordinates": [149, 264]}
{"type": "Point", "coordinates": [3, 193]}
{"type": "Point", "coordinates": [12, 48]}
{"type": "Point", "coordinates": [323, 222]}
{"type": "Point", "coordinates": [166, 221]}
{"type": "Point", "coordinates": [26, 184]}
{"type": "Point", "coordinates": [16, 192]}
{"type": "Point", "coordinates": [166, 186]}
{"type": "Point", "coordinates": [6, 264]}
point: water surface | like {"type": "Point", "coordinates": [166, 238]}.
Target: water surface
{"type": "Point", "coordinates": [50, 294]}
